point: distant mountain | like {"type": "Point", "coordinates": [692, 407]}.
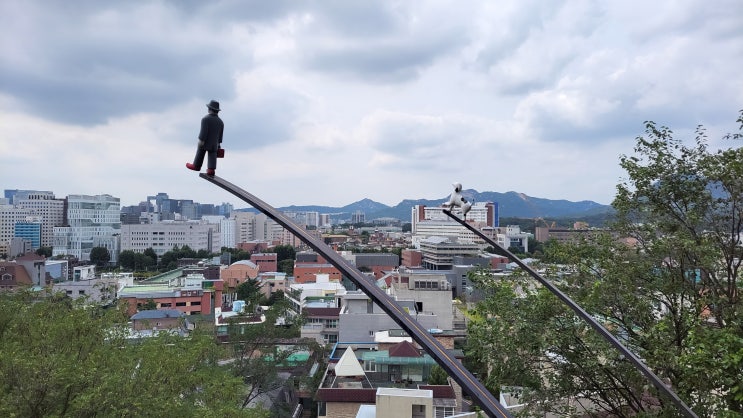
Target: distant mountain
{"type": "Point", "coordinates": [510, 204]}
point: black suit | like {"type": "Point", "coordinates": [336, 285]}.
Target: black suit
{"type": "Point", "coordinates": [212, 128]}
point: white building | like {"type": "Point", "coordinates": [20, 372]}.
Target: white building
{"type": "Point", "coordinates": [163, 236]}
{"type": "Point", "coordinates": [45, 205]}
{"type": "Point", "coordinates": [94, 221]}
{"type": "Point", "coordinates": [252, 227]}
{"type": "Point", "coordinates": [226, 229]}
{"type": "Point", "coordinates": [9, 217]}
{"type": "Point", "coordinates": [323, 289]}
{"type": "Point", "coordinates": [431, 221]}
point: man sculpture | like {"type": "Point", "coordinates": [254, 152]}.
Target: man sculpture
{"type": "Point", "coordinates": [210, 140]}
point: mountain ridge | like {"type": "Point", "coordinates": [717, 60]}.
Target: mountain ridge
{"type": "Point", "coordinates": [510, 204]}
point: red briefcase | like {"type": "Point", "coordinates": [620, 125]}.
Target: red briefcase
{"type": "Point", "coordinates": [220, 153]}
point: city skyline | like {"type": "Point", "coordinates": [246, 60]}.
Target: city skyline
{"type": "Point", "coordinates": [333, 102]}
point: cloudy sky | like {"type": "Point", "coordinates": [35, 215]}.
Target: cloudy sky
{"type": "Point", "coordinates": [329, 102]}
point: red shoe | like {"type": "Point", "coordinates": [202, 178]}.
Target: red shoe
{"type": "Point", "coordinates": [192, 167]}
{"type": "Point", "coordinates": [209, 171]}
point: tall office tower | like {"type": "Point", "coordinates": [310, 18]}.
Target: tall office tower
{"type": "Point", "coordinates": [324, 219]}
{"type": "Point", "coordinates": [252, 227]}
{"type": "Point", "coordinates": [227, 228]}
{"type": "Point", "coordinates": [30, 230]}
{"type": "Point", "coordinates": [43, 204]}
{"type": "Point", "coordinates": [358, 217]}
{"type": "Point", "coordinates": [312, 219]}
{"type": "Point", "coordinates": [225, 209]}
{"type": "Point", "coordinates": [189, 209]}
{"type": "Point", "coordinates": [9, 217]}
{"type": "Point", "coordinates": [93, 221]}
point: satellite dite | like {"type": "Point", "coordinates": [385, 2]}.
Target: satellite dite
{"type": "Point", "coordinates": [456, 199]}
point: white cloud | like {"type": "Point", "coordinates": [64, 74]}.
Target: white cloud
{"type": "Point", "coordinates": [331, 102]}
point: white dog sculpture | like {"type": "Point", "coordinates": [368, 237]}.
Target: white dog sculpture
{"type": "Point", "coordinates": [456, 199]}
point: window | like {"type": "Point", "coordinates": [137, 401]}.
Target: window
{"type": "Point", "coordinates": [321, 410]}
{"type": "Point", "coordinates": [370, 366]}
{"type": "Point", "coordinates": [443, 411]}
{"type": "Point", "coordinates": [196, 303]}
{"type": "Point", "coordinates": [180, 304]}
{"type": "Point", "coordinates": [166, 305]}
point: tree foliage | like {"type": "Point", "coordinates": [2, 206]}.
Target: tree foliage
{"type": "Point", "coordinates": [250, 292]}
{"type": "Point", "coordinates": [284, 252]}
{"type": "Point", "coordinates": [257, 351]}
{"type": "Point", "coordinates": [44, 251]}
{"type": "Point", "coordinates": [100, 256]}
{"type": "Point", "coordinates": [65, 359]}
{"type": "Point", "coordinates": [135, 261]}
{"type": "Point", "coordinates": [665, 281]}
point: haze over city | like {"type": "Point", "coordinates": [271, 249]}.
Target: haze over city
{"type": "Point", "coordinates": [331, 102]}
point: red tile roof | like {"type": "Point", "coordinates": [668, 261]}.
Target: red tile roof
{"type": "Point", "coordinates": [404, 349]}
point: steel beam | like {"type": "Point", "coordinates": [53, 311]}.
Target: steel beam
{"type": "Point", "coordinates": [683, 408]}
{"type": "Point", "coordinates": [480, 395]}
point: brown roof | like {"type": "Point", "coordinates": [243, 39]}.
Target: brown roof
{"type": "Point", "coordinates": [440, 391]}
{"type": "Point", "coordinates": [404, 349]}
{"type": "Point", "coordinates": [17, 272]}
{"type": "Point", "coordinates": [316, 312]}
{"type": "Point", "coordinates": [347, 395]}
{"type": "Point", "coordinates": [30, 257]}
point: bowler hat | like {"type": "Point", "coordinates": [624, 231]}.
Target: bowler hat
{"type": "Point", "coordinates": [213, 105]}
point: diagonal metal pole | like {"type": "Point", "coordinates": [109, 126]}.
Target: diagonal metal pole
{"type": "Point", "coordinates": [586, 317]}
{"type": "Point", "coordinates": [435, 349]}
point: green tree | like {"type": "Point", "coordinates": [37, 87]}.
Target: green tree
{"type": "Point", "coordinates": [672, 294]}
{"type": "Point", "coordinates": [284, 252]}
{"type": "Point", "coordinates": [44, 251]}
{"type": "Point", "coordinates": [286, 266]}
{"type": "Point", "coordinates": [149, 305]}
{"type": "Point", "coordinates": [143, 262]}
{"type": "Point", "coordinates": [256, 353]}
{"type": "Point", "coordinates": [63, 358]}
{"type": "Point", "coordinates": [150, 252]}
{"type": "Point", "coordinates": [126, 259]}
{"type": "Point", "coordinates": [250, 292]}
{"type": "Point", "coordinates": [438, 376]}
{"type": "Point", "coordinates": [100, 256]}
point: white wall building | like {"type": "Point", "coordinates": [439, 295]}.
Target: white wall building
{"type": "Point", "coordinates": [45, 205]}
{"type": "Point", "coordinates": [9, 216]}
{"type": "Point", "coordinates": [252, 227]}
{"type": "Point", "coordinates": [163, 236]}
{"type": "Point", "coordinates": [94, 221]}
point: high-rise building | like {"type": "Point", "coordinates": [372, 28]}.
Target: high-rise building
{"type": "Point", "coordinates": [10, 216]}
{"type": "Point", "coordinates": [43, 204]}
{"type": "Point", "coordinates": [92, 221]}
{"type": "Point", "coordinates": [251, 226]}
{"type": "Point", "coordinates": [30, 230]}
{"type": "Point", "coordinates": [225, 209]}
{"type": "Point", "coordinates": [358, 217]}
